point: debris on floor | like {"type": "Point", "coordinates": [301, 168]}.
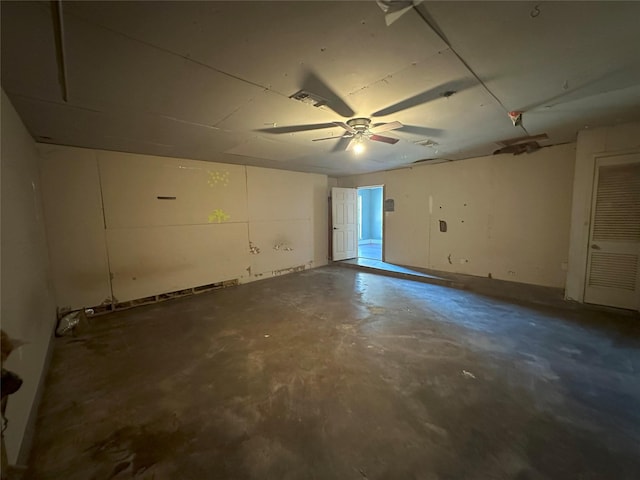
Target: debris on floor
{"type": "Point", "coordinates": [68, 324]}
{"type": "Point", "coordinates": [468, 374]}
{"type": "Point", "coordinates": [376, 310]}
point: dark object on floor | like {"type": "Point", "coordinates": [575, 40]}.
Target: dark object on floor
{"type": "Point", "coordinates": [11, 383]}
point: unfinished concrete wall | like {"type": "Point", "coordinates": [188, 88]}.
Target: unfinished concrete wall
{"type": "Point", "coordinates": [505, 215]}
{"type": "Point", "coordinates": [28, 310]}
{"type": "Point", "coordinates": [172, 224]}
{"type": "Point", "coordinates": [591, 144]}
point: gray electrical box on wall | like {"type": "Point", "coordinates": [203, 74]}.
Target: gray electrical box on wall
{"type": "Point", "coordinates": [389, 205]}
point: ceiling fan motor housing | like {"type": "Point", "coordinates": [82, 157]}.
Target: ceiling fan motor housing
{"type": "Point", "coordinates": [360, 124]}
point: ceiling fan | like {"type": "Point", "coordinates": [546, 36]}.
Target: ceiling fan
{"type": "Point", "coordinates": [315, 92]}
{"type": "Point", "coordinates": [357, 129]}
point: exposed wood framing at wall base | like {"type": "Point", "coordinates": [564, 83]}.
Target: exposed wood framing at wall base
{"type": "Point", "coordinates": [283, 271]}
{"type": "Point", "coordinates": [117, 306]}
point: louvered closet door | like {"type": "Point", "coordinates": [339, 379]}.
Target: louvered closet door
{"type": "Point", "coordinates": [613, 269]}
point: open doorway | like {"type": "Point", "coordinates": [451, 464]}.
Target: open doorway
{"type": "Point", "coordinates": [370, 222]}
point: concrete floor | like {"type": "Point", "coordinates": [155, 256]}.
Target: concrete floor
{"type": "Point", "coordinates": [397, 271]}
{"type": "Point", "coordinates": [334, 373]}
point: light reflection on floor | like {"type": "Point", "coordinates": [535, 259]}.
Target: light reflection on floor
{"type": "Point", "coordinates": [370, 250]}
{"type": "Point", "coordinates": [387, 267]}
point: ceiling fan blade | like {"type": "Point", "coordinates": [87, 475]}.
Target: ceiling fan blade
{"type": "Point", "coordinates": [313, 83]}
{"type": "Point", "coordinates": [380, 138]}
{"type": "Point", "coordinates": [427, 96]}
{"type": "Point", "coordinates": [385, 127]}
{"type": "Point", "coordinates": [342, 144]}
{"type": "Point", "coordinates": [296, 128]}
{"type": "Point", "coordinates": [325, 138]}
{"type": "Point", "coordinates": [348, 128]}
{"type": "Point", "coordinates": [423, 131]}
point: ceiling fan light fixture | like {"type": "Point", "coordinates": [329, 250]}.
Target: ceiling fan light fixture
{"type": "Point", "coordinates": [358, 148]}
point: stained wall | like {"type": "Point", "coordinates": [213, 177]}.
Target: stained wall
{"type": "Point", "coordinates": [506, 216]}
{"type": "Point", "coordinates": [132, 226]}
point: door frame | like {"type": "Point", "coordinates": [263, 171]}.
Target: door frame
{"type": "Point", "coordinates": [382, 187]}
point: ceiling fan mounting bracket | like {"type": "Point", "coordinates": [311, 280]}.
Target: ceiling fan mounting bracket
{"type": "Point", "coordinates": [360, 123]}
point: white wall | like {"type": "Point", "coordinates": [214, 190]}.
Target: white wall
{"type": "Point", "coordinates": [133, 245]}
{"type": "Point", "coordinates": [28, 310]}
{"type": "Point", "coordinates": [157, 246]}
{"type": "Point", "coordinates": [506, 215]}
{"type": "Point", "coordinates": [591, 143]}
{"type": "Point", "coordinates": [75, 226]}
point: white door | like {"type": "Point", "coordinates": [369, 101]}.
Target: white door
{"type": "Point", "coordinates": [344, 205]}
{"type": "Point", "coordinates": [614, 242]}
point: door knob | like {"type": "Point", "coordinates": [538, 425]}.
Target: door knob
{"type": "Point", "coordinates": [595, 247]}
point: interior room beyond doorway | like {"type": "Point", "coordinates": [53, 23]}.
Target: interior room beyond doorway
{"type": "Point", "coordinates": [370, 222]}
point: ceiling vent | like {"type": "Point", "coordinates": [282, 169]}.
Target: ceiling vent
{"type": "Point", "coordinates": [309, 98]}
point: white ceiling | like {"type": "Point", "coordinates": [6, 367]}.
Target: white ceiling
{"type": "Point", "coordinates": [204, 80]}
